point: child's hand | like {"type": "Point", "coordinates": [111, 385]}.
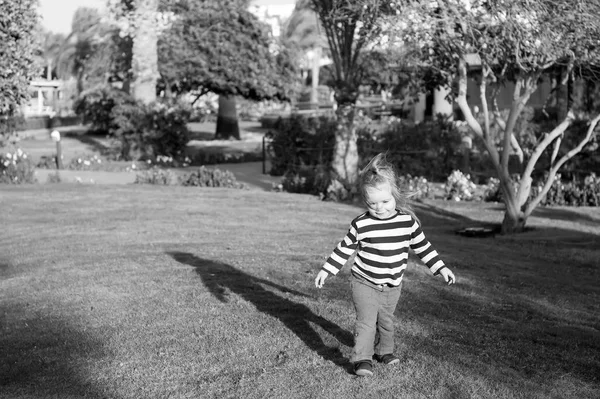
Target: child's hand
{"type": "Point", "coordinates": [321, 278]}
{"type": "Point", "coordinates": [448, 275]}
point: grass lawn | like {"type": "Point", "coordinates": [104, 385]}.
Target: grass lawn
{"type": "Point", "coordinates": [175, 292]}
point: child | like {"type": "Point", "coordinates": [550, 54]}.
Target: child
{"type": "Point", "coordinates": [382, 237]}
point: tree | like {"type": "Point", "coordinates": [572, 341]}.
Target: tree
{"type": "Point", "coordinates": [85, 53]}
{"type": "Point", "coordinates": [303, 32]}
{"type": "Point", "coordinates": [518, 42]}
{"type": "Point", "coordinates": [52, 43]}
{"type": "Point", "coordinates": [221, 47]}
{"type": "Point", "coordinates": [352, 29]}
{"type": "Point", "coordinates": [18, 45]}
{"type": "Point", "coordinates": [142, 21]}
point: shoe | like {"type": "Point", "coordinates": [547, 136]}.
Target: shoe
{"type": "Point", "coordinates": [363, 368]}
{"type": "Point", "coordinates": [388, 359]}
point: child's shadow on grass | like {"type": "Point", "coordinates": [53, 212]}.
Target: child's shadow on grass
{"type": "Point", "coordinates": [219, 277]}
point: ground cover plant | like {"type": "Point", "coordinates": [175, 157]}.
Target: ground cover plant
{"type": "Point", "coordinates": [155, 292]}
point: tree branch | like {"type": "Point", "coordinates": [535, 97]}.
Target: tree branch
{"type": "Point", "coordinates": [556, 167]}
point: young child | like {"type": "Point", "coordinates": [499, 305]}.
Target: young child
{"type": "Point", "coordinates": [382, 237]}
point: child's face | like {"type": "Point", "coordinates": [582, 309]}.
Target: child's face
{"type": "Point", "coordinates": [380, 201]}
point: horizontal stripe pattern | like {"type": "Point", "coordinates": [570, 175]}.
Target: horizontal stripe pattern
{"type": "Point", "coordinates": [382, 248]}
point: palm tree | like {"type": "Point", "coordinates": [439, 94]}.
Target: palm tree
{"type": "Point", "coordinates": [303, 31]}
{"type": "Point", "coordinates": [84, 52]}
{"type": "Point", "coordinates": [51, 48]}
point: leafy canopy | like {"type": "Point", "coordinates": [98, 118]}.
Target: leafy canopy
{"type": "Point", "coordinates": [18, 47]}
{"type": "Point", "coordinates": [509, 38]}
{"type": "Point", "coordinates": [223, 48]}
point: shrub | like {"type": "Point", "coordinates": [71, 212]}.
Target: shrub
{"type": "Point", "coordinates": [147, 131]}
{"type": "Point", "coordinates": [8, 128]}
{"type": "Point", "coordinates": [95, 106]}
{"type": "Point", "coordinates": [459, 187]}
{"type": "Point", "coordinates": [431, 149]}
{"type": "Point", "coordinates": [300, 143]}
{"type": "Point", "coordinates": [209, 177]}
{"type": "Point", "coordinates": [307, 180]}
{"type": "Point", "coordinates": [86, 162]}
{"type": "Point", "coordinates": [417, 187]}
{"type": "Point", "coordinates": [584, 192]}
{"type": "Point", "coordinates": [154, 175]}
{"type": "Point", "coordinates": [16, 168]}
{"type": "Point", "coordinates": [492, 191]}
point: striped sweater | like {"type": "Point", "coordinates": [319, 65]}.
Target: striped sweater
{"type": "Point", "coordinates": [381, 247]}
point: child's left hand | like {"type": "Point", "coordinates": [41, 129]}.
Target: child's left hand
{"type": "Point", "coordinates": [448, 275]}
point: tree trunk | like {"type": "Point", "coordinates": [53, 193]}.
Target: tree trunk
{"type": "Point", "coordinates": [145, 54]}
{"type": "Point", "coordinates": [316, 65]}
{"type": "Point", "coordinates": [513, 223]}
{"type": "Point", "coordinates": [345, 156]}
{"type": "Point", "coordinates": [227, 120]}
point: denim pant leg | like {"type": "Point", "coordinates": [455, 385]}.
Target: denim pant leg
{"type": "Point", "coordinates": [385, 321]}
{"type": "Point", "coordinates": [366, 303]}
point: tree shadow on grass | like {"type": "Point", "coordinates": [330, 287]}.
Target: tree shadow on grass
{"type": "Point", "coordinates": [565, 214]}
{"type": "Point", "coordinates": [43, 357]}
{"type": "Point", "coordinates": [219, 277]}
{"type": "Point", "coordinates": [515, 305]}
{"type": "Point", "coordinates": [92, 142]}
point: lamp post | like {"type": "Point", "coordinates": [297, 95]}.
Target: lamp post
{"type": "Point", "coordinates": [55, 135]}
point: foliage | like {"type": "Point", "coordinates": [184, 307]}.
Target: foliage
{"type": "Point", "coordinates": [515, 42]}
{"type": "Point", "coordinates": [300, 142]}
{"type": "Point", "coordinates": [313, 180]}
{"type": "Point", "coordinates": [18, 23]}
{"type": "Point", "coordinates": [223, 48]}
{"type": "Point", "coordinates": [585, 192]}
{"type": "Point", "coordinates": [87, 52]}
{"type": "Point", "coordinates": [140, 130]}
{"type": "Point", "coordinates": [86, 162]}
{"type": "Point", "coordinates": [211, 177]}
{"type": "Point", "coordinates": [96, 105]}
{"type": "Point", "coordinates": [147, 131]}
{"type": "Point", "coordinates": [459, 187]}
{"type": "Point", "coordinates": [155, 175]}
{"type": "Point", "coordinates": [431, 148]}
{"type": "Point", "coordinates": [416, 187]}
{"type": "Point", "coordinates": [16, 168]}
{"type": "Point", "coordinates": [351, 28]}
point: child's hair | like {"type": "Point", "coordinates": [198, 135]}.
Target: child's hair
{"type": "Point", "coordinates": [380, 170]}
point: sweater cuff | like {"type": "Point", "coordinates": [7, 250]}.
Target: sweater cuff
{"type": "Point", "coordinates": [439, 270]}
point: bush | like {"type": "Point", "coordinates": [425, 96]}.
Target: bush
{"type": "Point", "coordinates": [307, 180]}
{"type": "Point", "coordinates": [585, 192]}
{"type": "Point", "coordinates": [208, 177]}
{"type": "Point", "coordinates": [431, 149]}
{"type": "Point", "coordinates": [459, 187]}
{"type": "Point", "coordinates": [299, 143]}
{"type": "Point", "coordinates": [154, 175]}
{"type": "Point", "coordinates": [417, 187]}
{"type": "Point", "coordinates": [16, 168]}
{"type": "Point", "coordinates": [148, 131]}
{"type": "Point", "coordinates": [86, 162]}
{"type": "Point", "coordinates": [8, 127]}
{"type": "Point", "coordinates": [95, 106]}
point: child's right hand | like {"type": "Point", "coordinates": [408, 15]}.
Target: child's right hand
{"type": "Point", "coordinates": [321, 278]}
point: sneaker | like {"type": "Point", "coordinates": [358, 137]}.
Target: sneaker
{"type": "Point", "coordinates": [363, 368]}
{"type": "Point", "coordinates": [388, 359]}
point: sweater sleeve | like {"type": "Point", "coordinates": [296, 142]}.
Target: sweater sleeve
{"type": "Point", "coordinates": [424, 250]}
{"type": "Point", "coordinates": [342, 252]}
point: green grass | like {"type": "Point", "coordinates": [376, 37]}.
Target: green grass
{"type": "Point", "coordinates": [157, 292]}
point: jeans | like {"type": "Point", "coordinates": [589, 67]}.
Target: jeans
{"type": "Point", "coordinates": [374, 327]}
